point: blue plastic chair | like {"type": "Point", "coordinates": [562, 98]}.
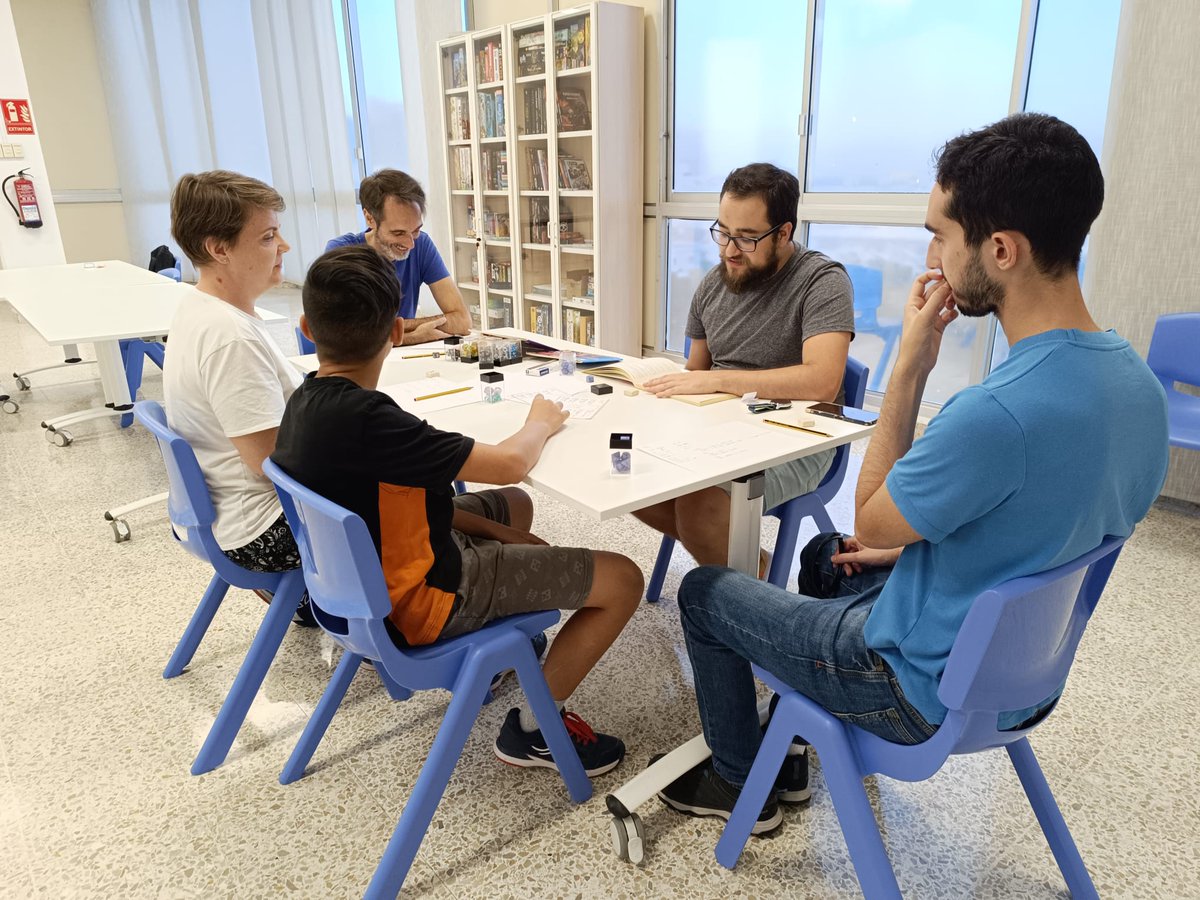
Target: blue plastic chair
{"type": "Point", "coordinates": [1015, 648]}
{"type": "Point", "coordinates": [1175, 356]}
{"type": "Point", "coordinates": [306, 346]}
{"type": "Point", "coordinates": [868, 297]}
{"type": "Point", "coordinates": [190, 510]}
{"type": "Point", "coordinates": [792, 512]}
{"type": "Point", "coordinates": [350, 601]}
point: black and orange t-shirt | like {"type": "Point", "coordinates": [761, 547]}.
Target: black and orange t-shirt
{"type": "Point", "coordinates": [359, 449]}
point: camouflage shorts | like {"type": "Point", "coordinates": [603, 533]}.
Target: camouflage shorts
{"type": "Point", "coordinates": [505, 579]}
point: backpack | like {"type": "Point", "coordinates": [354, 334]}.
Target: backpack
{"type": "Point", "coordinates": [161, 258]}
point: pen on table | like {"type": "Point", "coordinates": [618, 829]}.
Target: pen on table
{"type": "Point", "coordinates": [789, 425]}
{"type": "Point", "coordinates": [418, 355]}
{"type": "Point", "coordinates": [457, 390]}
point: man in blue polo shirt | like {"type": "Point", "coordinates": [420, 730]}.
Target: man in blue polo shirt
{"type": "Point", "coordinates": [394, 206]}
{"type": "Point", "coordinates": [1063, 444]}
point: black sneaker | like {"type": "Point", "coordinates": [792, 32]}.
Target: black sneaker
{"type": "Point", "coordinates": [791, 784]}
{"type": "Point", "coordinates": [599, 753]}
{"type": "Point", "coordinates": [303, 616]}
{"type": "Point", "coordinates": [540, 642]}
{"type": "Point", "coordinates": [702, 792]}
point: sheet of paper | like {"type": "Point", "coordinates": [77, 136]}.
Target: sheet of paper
{"type": "Point", "coordinates": [579, 405]}
{"type": "Point", "coordinates": [429, 394]}
{"type": "Point", "coordinates": [515, 381]}
{"type": "Point", "coordinates": [734, 440]}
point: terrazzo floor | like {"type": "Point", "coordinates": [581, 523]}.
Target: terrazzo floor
{"type": "Point", "coordinates": [96, 799]}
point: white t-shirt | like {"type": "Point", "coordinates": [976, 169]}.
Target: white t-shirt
{"type": "Point", "coordinates": [224, 377]}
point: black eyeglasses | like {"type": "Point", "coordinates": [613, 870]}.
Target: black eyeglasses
{"type": "Point", "coordinates": [745, 244]}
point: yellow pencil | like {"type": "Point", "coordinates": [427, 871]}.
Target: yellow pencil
{"type": "Point", "coordinates": [796, 428]}
{"type": "Point", "coordinates": [418, 355]}
{"type": "Point", "coordinates": [457, 390]}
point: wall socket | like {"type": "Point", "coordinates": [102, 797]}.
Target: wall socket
{"type": "Point", "coordinates": [12, 151]}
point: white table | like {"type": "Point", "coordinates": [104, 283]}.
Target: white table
{"type": "Point", "coordinates": [99, 303]}
{"type": "Point", "coordinates": [574, 468]}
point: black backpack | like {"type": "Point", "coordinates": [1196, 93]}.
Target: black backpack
{"type": "Point", "coordinates": [161, 258]}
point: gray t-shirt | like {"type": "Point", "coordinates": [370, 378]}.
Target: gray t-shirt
{"type": "Point", "coordinates": [766, 328]}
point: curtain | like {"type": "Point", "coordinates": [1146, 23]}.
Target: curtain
{"type": "Point", "coordinates": [249, 85]}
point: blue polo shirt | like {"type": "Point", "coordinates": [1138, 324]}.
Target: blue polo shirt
{"type": "Point", "coordinates": [423, 265]}
{"type": "Point", "coordinates": [1063, 444]}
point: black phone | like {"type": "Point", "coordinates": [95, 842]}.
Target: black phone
{"type": "Point", "coordinates": [845, 413]}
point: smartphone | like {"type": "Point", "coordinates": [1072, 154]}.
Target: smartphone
{"type": "Point", "coordinates": [845, 413]}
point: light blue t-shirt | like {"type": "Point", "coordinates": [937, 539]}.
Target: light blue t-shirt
{"type": "Point", "coordinates": [423, 265]}
{"type": "Point", "coordinates": [1062, 445]}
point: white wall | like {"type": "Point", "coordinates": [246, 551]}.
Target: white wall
{"type": "Point", "coordinates": [1142, 261]}
{"type": "Point", "coordinates": [24, 246]}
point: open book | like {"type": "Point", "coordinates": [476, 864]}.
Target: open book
{"type": "Point", "coordinates": [638, 371]}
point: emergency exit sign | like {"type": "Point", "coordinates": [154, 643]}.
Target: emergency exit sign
{"type": "Point", "coordinates": [17, 117]}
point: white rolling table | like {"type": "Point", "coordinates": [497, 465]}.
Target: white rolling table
{"type": "Point", "coordinates": [574, 468]}
{"type": "Point", "coordinates": [101, 304]}
{"type": "Point", "coordinates": [34, 282]}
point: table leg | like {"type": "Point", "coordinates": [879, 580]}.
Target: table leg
{"type": "Point", "coordinates": [745, 529]}
{"type": "Point", "coordinates": [117, 401]}
{"type": "Point", "coordinates": [112, 374]}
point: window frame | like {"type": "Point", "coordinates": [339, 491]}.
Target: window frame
{"type": "Point", "coordinates": [814, 208]}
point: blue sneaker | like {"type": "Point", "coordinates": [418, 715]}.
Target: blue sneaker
{"type": "Point", "coordinates": [599, 753]}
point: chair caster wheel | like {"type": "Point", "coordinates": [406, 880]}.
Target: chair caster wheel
{"type": "Point", "coordinates": [121, 530]}
{"type": "Point", "coordinates": [22, 382]}
{"type": "Point", "coordinates": [10, 406]}
{"type": "Point", "coordinates": [629, 838]}
{"type": "Point", "coordinates": [59, 437]}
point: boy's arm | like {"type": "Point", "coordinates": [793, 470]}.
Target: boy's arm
{"type": "Point", "coordinates": [510, 460]}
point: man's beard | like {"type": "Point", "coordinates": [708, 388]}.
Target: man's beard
{"type": "Point", "coordinates": [394, 255]}
{"type": "Point", "coordinates": [976, 294]}
{"type": "Point", "coordinates": [752, 278]}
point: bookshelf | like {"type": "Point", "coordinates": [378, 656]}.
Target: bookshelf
{"type": "Point", "coordinates": [543, 153]}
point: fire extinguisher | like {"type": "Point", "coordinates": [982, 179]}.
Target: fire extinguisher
{"type": "Point", "coordinates": [26, 207]}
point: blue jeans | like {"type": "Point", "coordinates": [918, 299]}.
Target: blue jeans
{"type": "Point", "coordinates": [816, 645]}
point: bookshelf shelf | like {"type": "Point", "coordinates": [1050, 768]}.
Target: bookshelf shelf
{"type": "Point", "coordinates": [541, 118]}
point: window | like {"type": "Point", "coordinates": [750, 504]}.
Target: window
{"type": "Point", "coordinates": [733, 102]}
{"type": "Point", "coordinates": [882, 262]}
{"type": "Point", "coordinates": [372, 86]}
{"type": "Point", "coordinates": [892, 81]}
{"type": "Point", "coordinates": [880, 85]}
{"type": "Point", "coordinates": [690, 254]}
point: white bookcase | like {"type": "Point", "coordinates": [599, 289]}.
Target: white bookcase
{"type": "Point", "coordinates": [543, 152]}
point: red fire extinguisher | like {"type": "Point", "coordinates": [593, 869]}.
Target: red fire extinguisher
{"type": "Point", "coordinates": [26, 207]}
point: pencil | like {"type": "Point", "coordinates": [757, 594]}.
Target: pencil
{"type": "Point", "coordinates": [457, 390]}
{"type": "Point", "coordinates": [788, 425]}
{"type": "Point", "coordinates": [418, 355]}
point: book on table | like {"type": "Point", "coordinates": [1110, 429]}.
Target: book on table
{"type": "Point", "coordinates": [638, 371]}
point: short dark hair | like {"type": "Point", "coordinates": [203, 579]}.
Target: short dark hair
{"type": "Point", "coordinates": [351, 298]}
{"type": "Point", "coordinates": [1030, 173]}
{"type": "Point", "coordinates": [216, 204]}
{"type": "Point", "coordinates": [375, 189]}
{"type": "Point", "coordinates": [779, 189]}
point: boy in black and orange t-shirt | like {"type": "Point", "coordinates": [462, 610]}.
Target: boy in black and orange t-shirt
{"type": "Point", "coordinates": [451, 563]}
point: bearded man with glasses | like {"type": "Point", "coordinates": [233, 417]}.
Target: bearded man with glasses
{"type": "Point", "coordinates": [772, 317]}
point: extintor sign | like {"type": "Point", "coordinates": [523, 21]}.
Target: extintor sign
{"type": "Point", "coordinates": [17, 117]}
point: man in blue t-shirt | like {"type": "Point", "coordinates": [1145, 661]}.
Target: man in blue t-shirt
{"type": "Point", "coordinates": [1061, 445]}
{"type": "Point", "coordinates": [394, 206]}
